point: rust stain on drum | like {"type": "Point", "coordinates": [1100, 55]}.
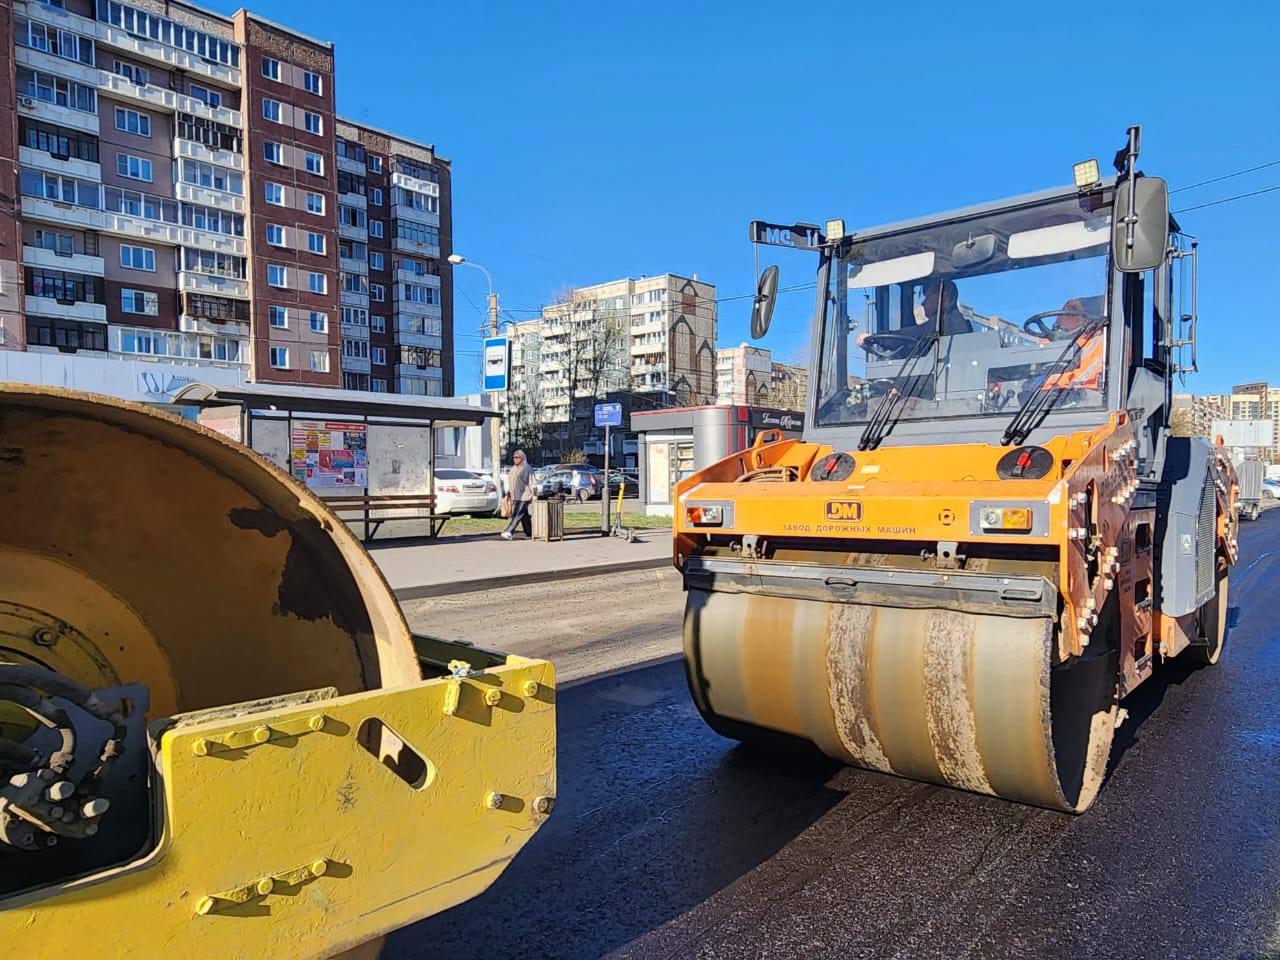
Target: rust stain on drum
{"type": "Point", "coordinates": [849, 637]}
{"type": "Point", "coordinates": [949, 714]}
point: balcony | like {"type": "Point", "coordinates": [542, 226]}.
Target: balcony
{"type": "Point", "coordinates": [198, 151]}
{"type": "Point", "coordinates": [47, 62]}
{"type": "Point", "coordinates": [404, 212]}
{"type": "Point", "coordinates": [409, 339]}
{"type": "Point", "coordinates": [351, 166]}
{"type": "Point", "coordinates": [172, 233]}
{"type": "Point", "coordinates": [191, 282]}
{"type": "Point", "coordinates": [72, 263]}
{"type": "Point", "coordinates": [145, 48]}
{"type": "Point", "coordinates": [210, 198]}
{"type": "Point", "coordinates": [54, 211]}
{"type": "Point", "coordinates": [357, 200]}
{"type": "Point", "coordinates": [353, 233]}
{"type": "Point", "coordinates": [408, 307]}
{"type": "Point", "coordinates": [161, 98]}
{"type": "Point", "coordinates": [412, 276]}
{"type": "Point", "coordinates": [68, 167]}
{"type": "Point", "coordinates": [348, 265]}
{"type": "Point", "coordinates": [221, 328]}
{"type": "Point", "coordinates": [405, 245]}
{"type": "Point", "coordinates": [355, 364]}
{"type": "Point", "coordinates": [414, 184]}
{"type": "Point", "coordinates": [355, 331]}
{"type": "Point", "coordinates": [349, 299]}
{"type": "Point", "coordinates": [416, 372]}
{"type": "Point", "coordinates": [62, 116]}
{"type": "Point", "coordinates": [59, 310]}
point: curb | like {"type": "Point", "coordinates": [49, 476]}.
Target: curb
{"type": "Point", "coordinates": [519, 579]}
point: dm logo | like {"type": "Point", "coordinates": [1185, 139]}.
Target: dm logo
{"type": "Point", "coordinates": [848, 510]}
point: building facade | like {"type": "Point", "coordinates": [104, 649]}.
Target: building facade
{"type": "Point", "coordinates": [1246, 401]}
{"type": "Point", "coordinates": [180, 192]}
{"type": "Point", "coordinates": [646, 343]}
{"type": "Point", "coordinates": [749, 375]}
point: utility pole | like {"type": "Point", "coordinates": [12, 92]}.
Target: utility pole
{"type": "Point", "coordinates": [495, 424]}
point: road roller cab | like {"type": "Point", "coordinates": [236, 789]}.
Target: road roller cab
{"type": "Point", "coordinates": [987, 535]}
{"type": "Point", "coordinates": [218, 737]}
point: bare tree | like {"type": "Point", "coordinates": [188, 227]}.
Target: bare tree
{"type": "Point", "coordinates": [592, 351]}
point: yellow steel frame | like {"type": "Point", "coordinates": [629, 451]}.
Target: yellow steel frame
{"type": "Point", "coordinates": [279, 834]}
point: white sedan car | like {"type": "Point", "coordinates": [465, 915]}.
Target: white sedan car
{"type": "Point", "coordinates": [461, 491]}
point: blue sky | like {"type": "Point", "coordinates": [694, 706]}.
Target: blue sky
{"type": "Point", "coordinates": [594, 141]}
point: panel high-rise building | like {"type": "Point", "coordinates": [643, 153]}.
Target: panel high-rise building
{"type": "Point", "coordinates": [179, 192]}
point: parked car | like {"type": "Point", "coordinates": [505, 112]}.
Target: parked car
{"type": "Point", "coordinates": [462, 491]}
{"type": "Point", "coordinates": [628, 481]}
{"type": "Point", "coordinates": [577, 481]}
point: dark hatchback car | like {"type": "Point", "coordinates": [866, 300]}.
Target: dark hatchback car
{"type": "Point", "coordinates": [576, 481]}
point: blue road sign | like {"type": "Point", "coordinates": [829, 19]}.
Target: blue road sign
{"type": "Point", "coordinates": [496, 363]}
{"type": "Point", "coordinates": [608, 414]}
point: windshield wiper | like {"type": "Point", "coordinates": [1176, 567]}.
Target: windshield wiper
{"type": "Point", "coordinates": [881, 422]}
{"type": "Point", "coordinates": [1040, 400]}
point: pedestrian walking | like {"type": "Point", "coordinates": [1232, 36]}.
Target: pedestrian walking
{"type": "Point", "coordinates": [520, 490]}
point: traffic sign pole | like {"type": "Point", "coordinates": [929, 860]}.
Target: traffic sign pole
{"type": "Point", "coordinates": [604, 494]}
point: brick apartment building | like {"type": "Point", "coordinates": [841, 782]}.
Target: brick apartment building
{"type": "Point", "coordinates": [179, 191]}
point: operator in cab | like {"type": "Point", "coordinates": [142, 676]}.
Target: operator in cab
{"type": "Point", "coordinates": [940, 303]}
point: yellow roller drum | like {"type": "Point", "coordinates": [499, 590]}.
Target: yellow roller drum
{"type": "Point", "coordinates": [970, 700]}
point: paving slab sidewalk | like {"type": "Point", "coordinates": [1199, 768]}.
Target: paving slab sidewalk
{"type": "Point", "coordinates": [449, 565]}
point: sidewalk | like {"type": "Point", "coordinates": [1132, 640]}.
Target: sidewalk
{"type": "Point", "coordinates": [449, 565]}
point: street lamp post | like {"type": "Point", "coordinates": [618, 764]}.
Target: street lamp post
{"type": "Point", "coordinates": [494, 426]}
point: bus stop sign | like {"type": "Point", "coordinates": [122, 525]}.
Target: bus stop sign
{"type": "Point", "coordinates": [608, 414]}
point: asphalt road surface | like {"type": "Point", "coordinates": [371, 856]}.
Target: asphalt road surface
{"type": "Point", "coordinates": [669, 841]}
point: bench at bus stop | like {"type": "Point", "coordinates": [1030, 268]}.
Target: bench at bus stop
{"type": "Point", "coordinates": [400, 506]}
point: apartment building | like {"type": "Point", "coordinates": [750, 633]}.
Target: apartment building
{"type": "Point", "coordinates": [646, 342]}
{"type": "Point", "coordinates": [181, 193]}
{"type": "Point", "coordinates": [748, 375]}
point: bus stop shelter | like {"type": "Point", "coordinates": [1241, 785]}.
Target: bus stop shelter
{"type": "Point", "coordinates": [342, 444]}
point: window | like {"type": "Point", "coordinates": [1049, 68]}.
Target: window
{"type": "Point", "coordinates": [139, 301]}
{"type": "Point", "coordinates": [351, 183]}
{"type": "Point", "coordinates": [215, 308]}
{"type": "Point", "coordinates": [212, 219]}
{"type": "Point", "coordinates": [279, 357]}
{"type": "Point", "coordinates": [417, 232]}
{"type": "Point", "coordinates": [278, 317]}
{"type": "Point", "coordinates": [272, 152]}
{"type": "Point", "coordinates": [319, 322]}
{"type": "Point", "coordinates": [350, 216]}
{"type": "Point", "coordinates": [131, 121]}
{"type": "Point", "coordinates": [379, 386]}
{"type": "Point", "coordinates": [216, 264]}
{"type": "Point", "coordinates": [376, 261]}
{"type": "Point", "coordinates": [317, 283]}
{"type": "Point", "coordinates": [50, 186]}
{"type": "Point", "coordinates": [63, 43]}
{"type": "Point", "coordinates": [417, 293]}
{"type": "Point", "coordinates": [275, 234]}
{"type": "Point", "coordinates": [212, 97]}
{"type": "Point", "coordinates": [421, 357]}
{"type": "Point", "coordinates": [275, 194]}
{"type": "Point", "coordinates": [355, 315]}
{"type": "Point", "coordinates": [354, 283]}
{"type": "Point", "coordinates": [139, 75]}
{"type": "Point", "coordinates": [57, 90]}
{"type": "Point", "coordinates": [375, 196]}
{"type": "Point", "coordinates": [358, 349]}
{"type": "Point", "coordinates": [377, 293]}
{"type": "Point", "coordinates": [315, 203]}
{"type": "Point", "coordinates": [62, 143]}
{"type": "Point", "coordinates": [375, 163]}
{"type": "Point", "coordinates": [348, 149]}
{"type": "Point", "coordinates": [311, 123]}
{"type": "Point", "coordinates": [135, 168]}
{"type": "Point", "coordinates": [63, 286]}
{"type": "Point", "coordinates": [213, 177]}
{"type": "Point", "coordinates": [315, 242]}
{"type": "Point", "coordinates": [143, 24]}
{"type": "Point", "coordinates": [314, 163]}
{"type": "Point", "coordinates": [271, 69]}
{"type": "Point", "coordinates": [355, 381]}
{"type": "Point", "coordinates": [60, 243]}
{"type": "Point", "coordinates": [378, 324]}
{"type": "Point", "coordinates": [216, 136]}
{"type": "Point", "coordinates": [417, 201]}
{"type": "Point", "coordinates": [270, 109]}
{"type": "Point", "coordinates": [311, 82]}
{"type": "Point", "coordinates": [375, 228]}
{"type": "Point", "coordinates": [379, 355]}
{"type": "Point", "coordinates": [320, 361]}
{"type": "Point", "coordinates": [275, 275]}
{"type": "Point", "coordinates": [137, 258]}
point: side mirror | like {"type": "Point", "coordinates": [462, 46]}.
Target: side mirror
{"type": "Point", "coordinates": [766, 298]}
{"type": "Point", "coordinates": [1140, 230]}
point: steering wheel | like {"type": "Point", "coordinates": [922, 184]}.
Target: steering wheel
{"type": "Point", "coordinates": [1036, 326]}
{"type": "Point", "coordinates": [888, 346]}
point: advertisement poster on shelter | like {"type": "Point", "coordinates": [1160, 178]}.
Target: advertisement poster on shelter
{"type": "Point", "coordinates": [327, 454]}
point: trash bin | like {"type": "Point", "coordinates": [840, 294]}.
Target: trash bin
{"type": "Point", "coordinates": [548, 519]}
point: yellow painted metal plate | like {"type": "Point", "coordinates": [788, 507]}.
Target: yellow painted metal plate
{"type": "Point", "coordinates": [300, 842]}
